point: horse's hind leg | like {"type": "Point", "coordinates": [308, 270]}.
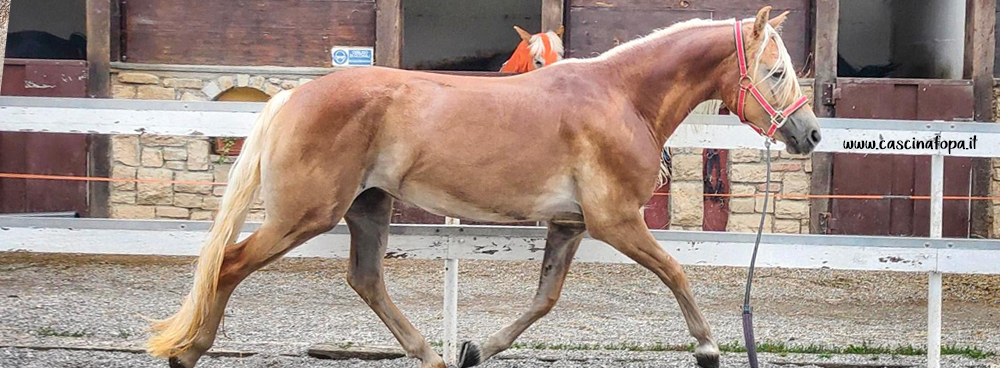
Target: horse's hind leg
{"type": "Point", "coordinates": [625, 231]}
{"type": "Point", "coordinates": [291, 221]}
{"type": "Point", "coordinates": [368, 220]}
{"type": "Point", "coordinates": [560, 246]}
{"type": "Point", "coordinates": [267, 244]}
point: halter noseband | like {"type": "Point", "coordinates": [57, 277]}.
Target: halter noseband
{"type": "Point", "coordinates": [778, 118]}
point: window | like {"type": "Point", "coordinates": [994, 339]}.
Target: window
{"type": "Point", "coordinates": [47, 29]}
{"type": "Point", "coordinates": [469, 35]}
{"type": "Point", "coordinates": [901, 39]}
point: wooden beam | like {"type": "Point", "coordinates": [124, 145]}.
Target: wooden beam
{"type": "Point", "coordinates": [389, 33]}
{"type": "Point", "coordinates": [825, 61]}
{"type": "Point", "coordinates": [552, 14]}
{"type": "Point", "coordinates": [99, 48]}
{"type": "Point", "coordinates": [98, 86]}
{"type": "Point", "coordinates": [980, 38]}
{"type": "Point", "coordinates": [4, 18]}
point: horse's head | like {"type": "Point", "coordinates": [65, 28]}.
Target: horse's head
{"type": "Point", "coordinates": [535, 51]}
{"type": "Point", "coordinates": [762, 86]}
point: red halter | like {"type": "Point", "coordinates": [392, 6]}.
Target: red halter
{"type": "Point", "coordinates": [778, 118]}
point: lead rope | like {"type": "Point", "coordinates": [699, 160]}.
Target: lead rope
{"type": "Point", "coordinates": [747, 313]}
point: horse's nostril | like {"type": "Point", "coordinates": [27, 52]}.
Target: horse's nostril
{"type": "Point", "coordinates": [814, 136]}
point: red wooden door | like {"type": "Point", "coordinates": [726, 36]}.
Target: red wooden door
{"type": "Point", "coordinates": [43, 153]}
{"type": "Point", "coordinates": [885, 174]}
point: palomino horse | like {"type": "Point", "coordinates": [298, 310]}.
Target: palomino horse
{"type": "Point", "coordinates": [576, 144]}
{"type": "Point", "coordinates": [535, 51]}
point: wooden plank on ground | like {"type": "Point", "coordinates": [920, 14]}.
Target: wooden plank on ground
{"type": "Point", "coordinates": [342, 352]}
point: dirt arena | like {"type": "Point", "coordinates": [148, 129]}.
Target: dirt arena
{"type": "Point", "coordinates": [609, 315]}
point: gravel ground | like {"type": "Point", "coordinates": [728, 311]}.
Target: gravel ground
{"type": "Point", "coordinates": [24, 358]}
{"type": "Point", "coordinates": [75, 300]}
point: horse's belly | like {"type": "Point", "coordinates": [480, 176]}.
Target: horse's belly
{"type": "Point", "coordinates": [484, 205]}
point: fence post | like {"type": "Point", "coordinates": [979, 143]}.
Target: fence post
{"type": "Point", "coordinates": [450, 330]}
{"type": "Point", "coordinates": [934, 297]}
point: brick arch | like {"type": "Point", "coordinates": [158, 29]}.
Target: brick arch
{"type": "Point", "coordinates": [246, 94]}
{"type": "Point", "coordinates": [223, 84]}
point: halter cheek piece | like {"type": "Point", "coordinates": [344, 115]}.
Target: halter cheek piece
{"type": "Point", "coordinates": [778, 118]}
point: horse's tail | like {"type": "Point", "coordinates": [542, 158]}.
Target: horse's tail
{"type": "Point", "coordinates": [176, 333]}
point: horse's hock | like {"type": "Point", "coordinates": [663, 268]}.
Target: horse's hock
{"type": "Point", "coordinates": [189, 158]}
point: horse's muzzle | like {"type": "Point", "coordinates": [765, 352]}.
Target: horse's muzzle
{"type": "Point", "coordinates": [801, 133]}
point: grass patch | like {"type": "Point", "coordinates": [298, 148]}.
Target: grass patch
{"type": "Point", "coordinates": [49, 331]}
{"type": "Point", "coordinates": [772, 347]}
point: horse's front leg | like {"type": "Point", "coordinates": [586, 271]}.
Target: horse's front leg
{"type": "Point", "coordinates": [560, 246]}
{"type": "Point", "coordinates": [623, 228]}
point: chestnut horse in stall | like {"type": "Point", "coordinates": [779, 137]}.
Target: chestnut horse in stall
{"type": "Point", "coordinates": [576, 144]}
{"type": "Point", "coordinates": [535, 51]}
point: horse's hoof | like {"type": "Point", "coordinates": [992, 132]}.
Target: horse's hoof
{"type": "Point", "coordinates": [469, 355]}
{"type": "Point", "coordinates": [175, 363]}
{"type": "Point", "coordinates": [708, 361]}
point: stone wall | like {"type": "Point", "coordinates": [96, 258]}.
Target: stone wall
{"type": "Point", "coordinates": [177, 158]}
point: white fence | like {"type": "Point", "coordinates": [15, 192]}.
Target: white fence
{"type": "Point", "coordinates": [932, 255]}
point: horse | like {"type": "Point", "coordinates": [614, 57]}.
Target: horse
{"type": "Point", "coordinates": [535, 51]}
{"type": "Point", "coordinates": [532, 52]}
{"type": "Point", "coordinates": [575, 144]}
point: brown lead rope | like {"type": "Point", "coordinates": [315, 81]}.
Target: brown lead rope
{"type": "Point", "coordinates": [747, 314]}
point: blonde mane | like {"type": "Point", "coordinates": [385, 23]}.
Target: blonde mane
{"type": "Point", "coordinates": [784, 90]}
{"type": "Point", "coordinates": [537, 47]}
{"type": "Point", "coordinates": [524, 56]}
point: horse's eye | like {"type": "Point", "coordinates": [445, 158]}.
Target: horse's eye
{"type": "Point", "coordinates": [778, 74]}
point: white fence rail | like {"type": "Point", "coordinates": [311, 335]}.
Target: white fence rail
{"type": "Point", "coordinates": [932, 255]}
{"type": "Point", "coordinates": [233, 119]}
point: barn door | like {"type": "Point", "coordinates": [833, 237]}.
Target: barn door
{"type": "Point", "coordinates": [905, 99]}
{"type": "Point", "coordinates": [43, 153]}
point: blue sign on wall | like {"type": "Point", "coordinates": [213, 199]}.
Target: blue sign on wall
{"type": "Point", "coordinates": [345, 56]}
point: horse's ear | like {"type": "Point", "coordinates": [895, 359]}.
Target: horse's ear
{"type": "Point", "coordinates": [524, 34]}
{"type": "Point", "coordinates": [560, 31]}
{"type": "Point", "coordinates": [776, 22]}
{"type": "Point", "coordinates": [762, 17]}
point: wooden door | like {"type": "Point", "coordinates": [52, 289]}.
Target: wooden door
{"type": "Point", "coordinates": [885, 174]}
{"type": "Point", "coordinates": [43, 153]}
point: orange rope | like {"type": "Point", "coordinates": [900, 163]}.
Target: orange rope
{"type": "Point", "coordinates": [723, 195]}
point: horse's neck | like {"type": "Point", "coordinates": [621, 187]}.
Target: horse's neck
{"type": "Point", "coordinates": [668, 75]}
